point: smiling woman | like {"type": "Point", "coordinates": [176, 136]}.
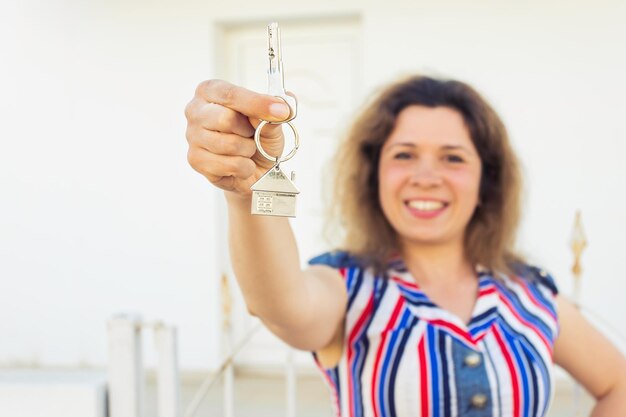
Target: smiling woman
{"type": "Point", "coordinates": [425, 309]}
{"type": "Point", "coordinates": [429, 177]}
{"type": "Point", "coordinates": [424, 112]}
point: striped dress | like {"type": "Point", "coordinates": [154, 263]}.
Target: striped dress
{"type": "Point", "coordinates": [405, 356]}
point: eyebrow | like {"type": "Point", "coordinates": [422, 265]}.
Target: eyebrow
{"type": "Point", "coordinates": [445, 147]}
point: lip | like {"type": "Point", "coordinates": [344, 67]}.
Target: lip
{"type": "Point", "coordinates": [422, 214]}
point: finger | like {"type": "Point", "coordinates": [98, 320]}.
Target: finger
{"type": "Point", "coordinates": [250, 103]}
{"type": "Point", "coordinates": [215, 166]}
{"type": "Point", "coordinates": [270, 131]}
{"type": "Point", "coordinates": [235, 166]}
{"type": "Point", "coordinates": [221, 143]}
{"type": "Point", "coordinates": [215, 117]}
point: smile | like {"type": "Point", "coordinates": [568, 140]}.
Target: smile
{"type": "Point", "coordinates": [426, 205]}
{"type": "Point", "coordinates": [426, 209]}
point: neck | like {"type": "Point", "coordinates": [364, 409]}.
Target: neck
{"type": "Point", "coordinates": [437, 264]}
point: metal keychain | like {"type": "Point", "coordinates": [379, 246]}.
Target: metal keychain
{"type": "Point", "coordinates": [274, 194]}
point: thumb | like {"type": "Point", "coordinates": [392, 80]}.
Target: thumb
{"type": "Point", "coordinates": [244, 101]}
{"type": "Point", "coordinates": [269, 130]}
{"type": "Point", "coordinates": [279, 111]}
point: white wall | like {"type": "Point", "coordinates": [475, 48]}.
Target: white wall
{"type": "Point", "coordinates": [100, 212]}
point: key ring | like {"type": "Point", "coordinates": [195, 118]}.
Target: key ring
{"type": "Point", "coordinates": [276, 159]}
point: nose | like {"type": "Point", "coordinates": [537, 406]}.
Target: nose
{"type": "Point", "coordinates": [426, 174]}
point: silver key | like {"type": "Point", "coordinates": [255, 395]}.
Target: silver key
{"type": "Point", "coordinates": [275, 75]}
{"type": "Point", "coordinates": [274, 194]}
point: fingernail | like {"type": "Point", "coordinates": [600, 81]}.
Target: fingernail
{"type": "Point", "coordinates": [279, 110]}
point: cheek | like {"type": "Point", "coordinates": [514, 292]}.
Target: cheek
{"type": "Point", "coordinates": [390, 179]}
{"type": "Point", "coordinates": [468, 183]}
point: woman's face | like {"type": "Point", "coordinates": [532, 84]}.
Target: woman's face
{"type": "Point", "coordinates": [429, 176]}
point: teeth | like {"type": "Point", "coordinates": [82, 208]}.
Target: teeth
{"type": "Point", "coordinates": [425, 205]}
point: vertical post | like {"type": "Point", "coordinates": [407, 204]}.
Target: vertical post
{"type": "Point", "coordinates": [126, 383]}
{"type": "Point", "coordinates": [227, 346]}
{"type": "Point", "coordinates": [229, 391]}
{"type": "Point", "coordinates": [291, 384]}
{"type": "Point", "coordinates": [168, 384]}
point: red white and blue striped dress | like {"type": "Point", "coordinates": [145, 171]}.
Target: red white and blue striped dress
{"type": "Point", "coordinates": [405, 356]}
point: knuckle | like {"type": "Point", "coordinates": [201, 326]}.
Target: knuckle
{"type": "Point", "coordinates": [217, 90]}
{"type": "Point", "coordinates": [189, 135]}
{"type": "Point", "coordinates": [193, 158]}
{"type": "Point", "coordinates": [207, 86]}
{"type": "Point", "coordinates": [237, 167]}
{"type": "Point", "coordinates": [243, 168]}
{"type": "Point", "coordinates": [249, 167]}
{"type": "Point", "coordinates": [226, 120]}
{"type": "Point", "coordinates": [248, 148]}
{"type": "Point", "coordinates": [228, 93]}
{"type": "Point", "coordinates": [225, 145]}
{"type": "Point", "coordinates": [191, 110]}
{"type": "Point", "coordinates": [233, 147]}
{"type": "Point", "coordinates": [188, 111]}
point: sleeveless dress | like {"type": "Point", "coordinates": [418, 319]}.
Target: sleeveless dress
{"type": "Point", "coordinates": [405, 356]}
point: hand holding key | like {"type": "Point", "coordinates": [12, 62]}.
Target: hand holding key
{"type": "Point", "coordinates": [221, 120]}
{"type": "Point", "coordinates": [217, 137]}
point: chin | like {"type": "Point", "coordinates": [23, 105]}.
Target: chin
{"type": "Point", "coordinates": [424, 239]}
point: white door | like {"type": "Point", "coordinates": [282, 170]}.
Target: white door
{"type": "Point", "coordinates": [321, 65]}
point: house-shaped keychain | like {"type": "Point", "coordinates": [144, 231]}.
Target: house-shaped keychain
{"type": "Point", "coordinates": [274, 194]}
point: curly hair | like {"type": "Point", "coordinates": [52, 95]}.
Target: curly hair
{"type": "Point", "coordinates": [489, 236]}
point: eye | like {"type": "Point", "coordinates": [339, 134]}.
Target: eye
{"type": "Point", "coordinates": [402, 155]}
{"type": "Point", "coordinates": [454, 158]}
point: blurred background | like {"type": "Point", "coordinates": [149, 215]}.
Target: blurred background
{"type": "Point", "coordinates": [101, 214]}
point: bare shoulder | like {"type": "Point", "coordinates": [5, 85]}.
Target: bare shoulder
{"type": "Point", "coordinates": [585, 353]}
{"type": "Point", "coordinates": [326, 282]}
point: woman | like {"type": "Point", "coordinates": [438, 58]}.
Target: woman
{"type": "Point", "coordinates": [427, 311]}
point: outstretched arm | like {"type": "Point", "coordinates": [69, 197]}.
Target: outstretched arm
{"type": "Point", "coordinates": [303, 307]}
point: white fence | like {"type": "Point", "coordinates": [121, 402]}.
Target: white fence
{"type": "Point", "coordinates": [126, 382]}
